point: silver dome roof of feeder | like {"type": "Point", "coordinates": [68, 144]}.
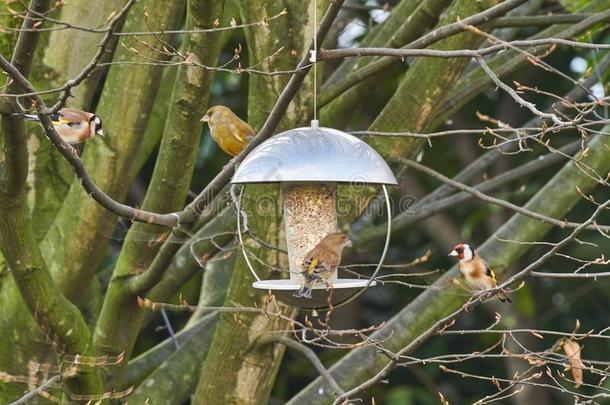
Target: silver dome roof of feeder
{"type": "Point", "coordinates": [314, 154]}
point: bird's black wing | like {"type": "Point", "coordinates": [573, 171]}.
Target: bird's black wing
{"type": "Point", "coordinates": [313, 268]}
{"type": "Point", "coordinates": [488, 271]}
{"type": "Point", "coordinates": [61, 119]}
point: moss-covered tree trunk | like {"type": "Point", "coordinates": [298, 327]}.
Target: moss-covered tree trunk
{"type": "Point", "coordinates": [121, 317]}
{"type": "Point", "coordinates": [48, 310]}
{"type": "Point", "coordinates": [125, 102]}
{"type": "Point", "coordinates": [236, 370]}
{"type": "Point", "coordinates": [408, 21]}
{"type": "Point", "coordinates": [73, 253]}
{"type": "Point", "coordinates": [65, 55]}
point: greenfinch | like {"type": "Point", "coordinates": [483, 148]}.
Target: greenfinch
{"type": "Point", "coordinates": [321, 263]}
{"type": "Point", "coordinates": [74, 126]}
{"type": "Point", "coordinates": [229, 132]}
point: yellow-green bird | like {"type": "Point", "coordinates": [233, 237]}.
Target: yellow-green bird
{"type": "Point", "coordinates": [322, 262]}
{"type": "Point", "coordinates": [230, 132]}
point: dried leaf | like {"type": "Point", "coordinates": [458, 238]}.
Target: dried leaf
{"type": "Point", "coordinates": [572, 350]}
{"type": "Point", "coordinates": [233, 22]}
{"type": "Point", "coordinates": [442, 399]}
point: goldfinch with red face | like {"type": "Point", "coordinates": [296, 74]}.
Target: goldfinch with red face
{"type": "Point", "coordinates": [74, 126]}
{"type": "Point", "coordinates": [322, 262]}
{"type": "Point", "coordinates": [476, 272]}
{"type": "Point", "coordinates": [230, 132]}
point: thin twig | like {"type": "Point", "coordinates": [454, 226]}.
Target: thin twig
{"type": "Point", "coordinates": [69, 153]}
{"type": "Point", "coordinates": [497, 201]}
{"type": "Point", "coordinates": [330, 54]}
{"type": "Point", "coordinates": [336, 89]}
{"type": "Point", "coordinates": [309, 354]}
{"type": "Point", "coordinates": [36, 391]}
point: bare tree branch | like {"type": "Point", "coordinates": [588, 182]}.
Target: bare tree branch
{"type": "Point", "coordinates": [36, 391]}
{"type": "Point", "coordinates": [308, 353]}
{"type": "Point", "coordinates": [497, 201]}
{"type": "Point", "coordinates": [334, 90]}
{"type": "Point", "coordinates": [475, 301]}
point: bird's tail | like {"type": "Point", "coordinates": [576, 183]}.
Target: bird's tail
{"type": "Point", "coordinates": [503, 297]}
{"type": "Point", "coordinates": [304, 291]}
{"type": "Point", "coordinates": [30, 117]}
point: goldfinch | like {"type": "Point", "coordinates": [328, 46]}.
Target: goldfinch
{"type": "Point", "coordinates": [322, 262]}
{"type": "Point", "coordinates": [74, 126]}
{"type": "Point", "coordinates": [230, 133]}
{"type": "Point", "coordinates": [476, 272]}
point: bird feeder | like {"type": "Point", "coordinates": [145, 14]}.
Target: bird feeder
{"type": "Point", "coordinates": [309, 163]}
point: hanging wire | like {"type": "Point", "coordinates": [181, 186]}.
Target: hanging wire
{"type": "Point", "coordinates": [314, 59]}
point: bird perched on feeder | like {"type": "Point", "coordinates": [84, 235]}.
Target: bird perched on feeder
{"type": "Point", "coordinates": [228, 131]}
{"type": "Point", "coordinates": [74, 126]}
{"type": "Point", "coordinates": [476, 272]}
{"type": "Point", "coordinates": [322, 262]}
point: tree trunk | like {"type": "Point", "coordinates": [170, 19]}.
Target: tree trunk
{"type": "Point", "coordinates": [408, 21]}
{"type": "Point", "coordinates": [60, 321]}
{"type": "Point", "coordinates": [121, 317]}
{"type": "Point", "coordinates": [127, 98]}
{"type": "Point", "coordinates": [236, 370]}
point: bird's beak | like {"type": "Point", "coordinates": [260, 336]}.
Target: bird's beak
{"type": "Point", "coordinates": [454, 253]}
{"type": "Point", "coordinates": [348, 243]}
{"type": "Point", "coordinates": [100, 133]}
{"type": "Point", "coordinates": [206, 118]}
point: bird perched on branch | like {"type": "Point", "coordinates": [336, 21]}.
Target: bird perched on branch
{"type": "Point", "coordinates": [476, 272]}
{"type": "Point", "coordinates": [74, 126]}
{"type": "Point", "coordinates": [228, 130]}
{"type": "Point", "coordinates": [322, 262]}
